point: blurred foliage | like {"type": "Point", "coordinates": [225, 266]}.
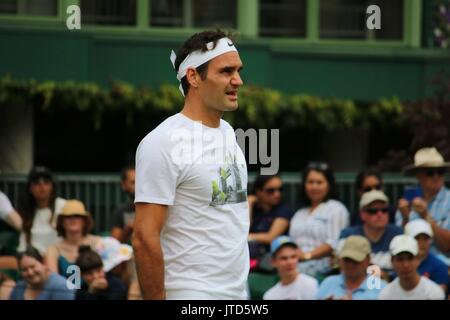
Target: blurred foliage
{"type": "Point", "coordinates": [258, 107]}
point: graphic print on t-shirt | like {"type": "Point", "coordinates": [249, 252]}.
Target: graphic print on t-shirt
{"type": "Point", "coordinates": [228, 188]}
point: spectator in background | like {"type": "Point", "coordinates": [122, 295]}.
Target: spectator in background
{"type": "Point", "coordinates": [292, 285]}
{"type": "Point", "coordinates": [353, 283]}
{"type": "Point", "coordinates": [39, 283]}
{"type": "Point", "coordinates": [409, 285]}
{"type": "Point", "coordinates": [74, 225]}
{"type": "Point", "coordinates": [434, 204]}
{"type": "Point", "coordinates": [38, 209]}
{"type": "Point", "coordinates": [317, 225]}
{"type": "Point", "coordinates": [269, 216]}
{"type": "Point", "coordinates": [430, 266]}
{"type": "Point", "coordinates": [366, 181]}
{"type": "Point", "coordinates": [124, 214]}
{"type": "Point", "coordinates": [97, 284]}
{"type": "Point", "coordinates": [374, 213]}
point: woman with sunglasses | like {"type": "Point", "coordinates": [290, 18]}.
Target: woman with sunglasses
{"type": "Point", "coordinates": [317, 225]}
{"type": "Point", "coordinates": [434, 205]}
{"type": "Point", "coordinates": [269, 216]}
{"type": "Point", "coordinates": [368, 180]}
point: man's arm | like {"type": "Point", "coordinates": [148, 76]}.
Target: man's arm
{"type": "Point", "coordinates": [149, 221]}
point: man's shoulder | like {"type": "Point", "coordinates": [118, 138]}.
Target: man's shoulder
{"type": "Point", "coordinates": [332, 281]}
{"type": "Point", "coordinates": [304, 280]}
{"type": "Point", "coordinates": [352, 231]}
{"type": "Point", "coordinates": [393, 229]}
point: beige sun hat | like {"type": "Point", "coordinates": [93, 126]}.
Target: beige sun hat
{"type": "Point", "coordinates": [426, 158]}
{"type": "Point", "coordinates": [73, 208]}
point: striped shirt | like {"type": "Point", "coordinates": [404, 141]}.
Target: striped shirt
{"type": "Point", "coordinates": [321, 226]}
{"type": "Point", "coordinates": [439, 208]}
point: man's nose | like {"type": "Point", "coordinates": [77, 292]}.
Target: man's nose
{"type": "Point", "coordinates": [237, 80]}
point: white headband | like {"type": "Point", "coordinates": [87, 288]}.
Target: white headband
{"type": "Point", "coordinates": [197, 58]}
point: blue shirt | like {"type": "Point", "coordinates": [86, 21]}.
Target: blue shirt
{"type": "Point", "coordinates": [335, 286]}
{"type": "Point", "coordinates": [439, 208]}
{"type": "Point", "coordinates": [434, 269]}
{"type": "Point", "coordinates": [262, 221]}
{"type": "Point", "coordinates": [54, 289]}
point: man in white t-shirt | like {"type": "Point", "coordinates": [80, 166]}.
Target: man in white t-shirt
{"type": "Point", "coordinates": [409, 285]}
{"type": "Point", "coordinates": [292, 285]}
{"type": "Point", "coordinates": [8, 214]}
{"type": "Point", "coordinates": [192, 218]}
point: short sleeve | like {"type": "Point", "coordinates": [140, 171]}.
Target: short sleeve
{"type": "Point", "coordinates": [118, 218]}
{"type": "Point", "coordinates": [283, 212]}
{"type": "Point", "coordinates": [156, 171]}
{"type": "Point", "coordinates": [5, 206]}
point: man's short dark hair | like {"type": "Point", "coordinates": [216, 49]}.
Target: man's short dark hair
{"type": "Point", "coordinates": [198, 42]}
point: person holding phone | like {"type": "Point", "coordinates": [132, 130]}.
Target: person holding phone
{"type": "Point", "coordinates": [432, 202]}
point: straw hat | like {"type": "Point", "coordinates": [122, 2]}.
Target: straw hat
{"type": "Point", "coordinates": [74, 208]}
{"type": "Point", "coordinates": [426, 158]}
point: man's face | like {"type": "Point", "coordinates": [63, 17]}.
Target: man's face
{"type": "Point", "coordinates": [424, 242]}
{"type": "Point", "coordinates": [285, 261]}
{"type": "Point", "coordinates": [33, 271]}
{"type": "Point", "coordinates": [219, 90]}
{"type": "Point", "coordinates": [405, 264]}
{"type": "Point", "coordinates": [431, 180]}
{"type": "Point", "coordinates": [375, 215]}
{"type": "Point", "coordinates": [354, 269]}
{"type": "Point", "coordinates": [128, 183]}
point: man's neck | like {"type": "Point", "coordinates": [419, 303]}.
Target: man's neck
{"type": "Point", "coordinates": [208, 117]}
{"type": "Point", "coordinates": [409, 283]}
{"type": "Point", "coordinates": [289, 278]}
{"type": "Point", "coordinates": [353, 283]}
{"type": "Point", "coordinates": [429, 195]}
{"type": "Point", "coordinates": [373, 234]}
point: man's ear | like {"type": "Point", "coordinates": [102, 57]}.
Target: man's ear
{"type": "Point", "coordinates": [192, 77]}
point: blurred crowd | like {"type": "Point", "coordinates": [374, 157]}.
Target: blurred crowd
{"type": "Point", "coordinates": [387, 249]}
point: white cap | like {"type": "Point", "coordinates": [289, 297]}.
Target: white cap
{"type": "Point", "coordinates": [371, 196]}
{"type": "Point", "coordinates": [418, 226]}
{"type": "Point", "coordinates": [403, 243]}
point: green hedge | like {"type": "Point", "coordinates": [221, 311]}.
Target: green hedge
{"type": "Point", "coordinates": [258, 107]}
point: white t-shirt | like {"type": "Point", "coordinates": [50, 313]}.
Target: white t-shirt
{"type": "Point", "coordinates": [312, 229]}
{"type": "Point", "coordinates": [204, 183]}
{"type": "Point", "coordinates": [43, 233]}
{"type": "Point", "coordinates": [425, 290]}
{"type": "Point", "coordinates": [5, 206]}
{"type": "Point", "coordinates": [302, 288]}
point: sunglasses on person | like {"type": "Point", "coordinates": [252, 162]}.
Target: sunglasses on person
{"type": "Point", "coordinates": [432, 172]}
{"type": "Point", "coordinates": [370, 188]}
{"type": "Point", "coordinates": [374, 211]}
{"type": "Point", "coordinates": [273, 190]}
{"type": "Point", "coordinates": [318, 166]}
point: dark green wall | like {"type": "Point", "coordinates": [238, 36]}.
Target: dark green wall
{"type": "Point", "coordinates": [357, 72]}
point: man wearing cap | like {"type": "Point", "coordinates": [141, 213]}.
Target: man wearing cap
{"type": "Point", "coordinates": [192, 216]}
{"type": "Point", "coordinates": [409, 285]}
{"type": "Point", "coordinates": [430, 266]}
{"type": "Point", "coordinates": [374, 212]}
{"type": "Point", "coordinates": [353, 283]}
{"type": "Point", "coordinates": [434, 205]}
{"type": "Point", "coordinates": [292, 285]}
